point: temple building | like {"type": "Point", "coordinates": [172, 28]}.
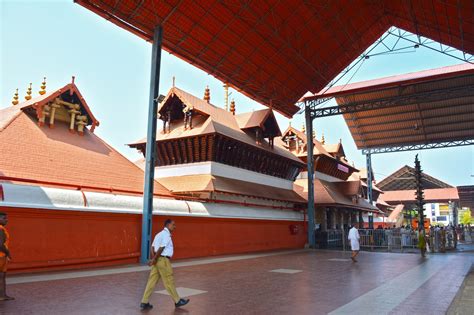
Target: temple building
{"type": "Point", "coordinates": [72, 199]}
{"type": "Point", "coordinates": [219, 157]}
{"type": "Point", "coordinates": [233, 181]}
{"type": "Point", "coordinates": [75, 202]}
{"type": "Point", "coordinates": [442, 199]}
{"type": "Point", "coordinates": [340, 198]}
{"type": "Point", "coordinates": [206, 152]}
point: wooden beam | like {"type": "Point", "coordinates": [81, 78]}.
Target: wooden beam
{"type": "Point", "coordinates": [203, 148]}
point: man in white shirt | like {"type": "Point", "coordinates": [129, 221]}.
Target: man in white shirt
{"type": "Point", "coordinates": [354, 239]}
{"type": "Point", "coordinates": [162, 251]}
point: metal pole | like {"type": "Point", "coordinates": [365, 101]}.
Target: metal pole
{"type": "Point", "coordinates": [369, 177]}
{"type": "Point", "coordinates": [150, 154]}
{"type": "Point", "coordinates": [309, 151]}
{"type": "Point", "coordinates": [369, 188]}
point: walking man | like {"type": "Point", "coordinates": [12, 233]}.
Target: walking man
{"type": "Point", "coordinates": [354, 239]}
{"type": "Point", "coordinates": [4, 256]}
{"type": "Point", "coordinates": [162, 251]}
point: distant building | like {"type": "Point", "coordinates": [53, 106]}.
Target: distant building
{"type": "Point", "coordinates": [466, 198]}
{"type": "Point", "coordinates": [442, 199]}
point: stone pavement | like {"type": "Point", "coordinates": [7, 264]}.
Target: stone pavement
{"type": "Point", "coordinates": [292, 282]}
{"type": "Point", "coordinates": [464, 300]}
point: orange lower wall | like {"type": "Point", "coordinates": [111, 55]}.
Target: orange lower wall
{"type": "Point", "coordinates": [54, 239]}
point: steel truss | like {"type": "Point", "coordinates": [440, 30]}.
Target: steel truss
{"type": "Point", "coordinates": [412, 147]}
{"type": "Point", "coordinates": [394, 41]}
{"type": "Point", "coordinates": [420, 41]}
{"type": "Point", "coordinates": [401, 100]}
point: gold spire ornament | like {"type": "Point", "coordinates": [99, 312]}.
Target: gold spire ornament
{"type": "Point", "coordinates": [28, 93]}
{"type": "Point", "coordinates": [226, 96]}
{"type": "Point", "coordinates": [15, 98]}
{"type": "Point", "coordinates": [232, 107]}
{"type": "Point", "coordinates": [303, 129]}
{"type": "Point", "coordinates": [207, 94]}
{"type": "Point", "coordinates": [43, 87]}
{"type": "Point", "coordinates": [323, 141]}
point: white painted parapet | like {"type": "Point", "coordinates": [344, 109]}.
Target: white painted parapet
{"type": "Point", "coordinates": [38, 197]}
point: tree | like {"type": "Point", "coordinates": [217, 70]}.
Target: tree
{"type": "Point", "coordinates": [466, 217]}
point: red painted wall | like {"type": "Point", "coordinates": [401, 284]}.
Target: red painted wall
{"type": "Point", "coordinates": [54, 239]}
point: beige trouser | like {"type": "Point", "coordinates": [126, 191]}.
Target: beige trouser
{"type": "Point", "coordinates": [162, 269]}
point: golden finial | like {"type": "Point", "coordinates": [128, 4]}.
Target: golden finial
{"type": "Point", "coordinates": [28, 93]}
{"type": "Point", "coordinates": [43, 87]}
{"type": "Point", "coordinates": [340, 140]}
{"type": "Point", "coordinates": [226, 96]}
{"type": "Point", "coordinates": [207, 94]}
{"type": "Point", "coordinates": [323, 141]}
{"type": "Point", "coordinates": [15, 98]}
{"type": "Point", "coordinates": [232, 107]}
{"type": "Point", "coordinates": [303, 129]}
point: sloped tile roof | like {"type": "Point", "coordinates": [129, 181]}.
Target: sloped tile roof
{"type": "Point", "coordinates": [40, 155]}
{"type": "Point", "coordinates": [9, 113]}
{"type": "Point", "coordinates": [252, 119]}
{"type": "Point", "coordinates": [218, 121]}
{"type": "Point", "coordinates": [329, 194]}
{"type": "Point", "coordinates": [211, 183]}
{"type": "Point", "coordinates": [436, 194]}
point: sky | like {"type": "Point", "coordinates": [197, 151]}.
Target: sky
{"type": "Point", "coordinates": [59, 39]}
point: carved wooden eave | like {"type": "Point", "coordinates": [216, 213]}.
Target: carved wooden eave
{"type": "Point", "coordinates": [67, 98]}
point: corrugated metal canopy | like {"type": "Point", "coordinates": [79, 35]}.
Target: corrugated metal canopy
{"type": "Point", "coordinates": [425, 107]}
{"type": "Point", "coordinates": [274, 51]}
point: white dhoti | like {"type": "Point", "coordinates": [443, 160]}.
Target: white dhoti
{"type": "Point", "coordinates": [354, 239]}
{"type": "Point", "coordinates": [355, 244]}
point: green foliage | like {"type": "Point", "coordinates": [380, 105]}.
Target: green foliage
{"type": "Point", "coordinates": [466, 217]}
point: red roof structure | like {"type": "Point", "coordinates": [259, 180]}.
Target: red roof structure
{"type": "Point", "coordinates": [420, 108]}
{"type": "Point", "coordinates": [400, 80]}
{"type": "Point", "coordinates": [188, 184]}
{"type": "Point", "coordinates": [40, 155]}
{"type": "Point", "coordinates": [275, 51]}
{"type": "Point", "coordinates": [209, 120]}
{"type": "Point", "coordinates": [431, 195]}
{"type": "Point", "coordinates": [332, 194]}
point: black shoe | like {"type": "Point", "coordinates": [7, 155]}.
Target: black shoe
{"type": "Point", "coordinates": [145, 306]}
{"type": "Point", "coordinates": [181, 302]}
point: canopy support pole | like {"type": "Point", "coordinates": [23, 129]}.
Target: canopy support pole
{"type": "Point", "coordinates": [369, 187]}
{"type": "Point", "coordinates": [310, 163]}
{"type": "Point", "coordinates": [150, 154]}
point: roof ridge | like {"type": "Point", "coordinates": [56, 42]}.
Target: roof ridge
{"type": "Point", "coordinates": [202, 100]}
{"type": "Point", "coordinates": [10, 119]}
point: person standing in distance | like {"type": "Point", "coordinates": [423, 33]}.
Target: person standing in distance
{"type": "Point", "coordinates": [162, 251]}
{"type": "Point", "coordinates": [4, 256]}
{"type": "Point", "coordinates": [354, 239]}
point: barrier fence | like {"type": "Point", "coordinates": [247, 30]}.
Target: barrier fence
{"type": "Point", "coordinates": [394, 239]}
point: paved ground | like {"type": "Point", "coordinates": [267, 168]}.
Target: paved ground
{"type": "Point", "coordinates": [463, 303]}
{"type": "Point", "coordinates": [298, 282]}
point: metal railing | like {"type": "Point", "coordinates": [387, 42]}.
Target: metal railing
{"type": "Point", "coordinates": [399, 239]}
